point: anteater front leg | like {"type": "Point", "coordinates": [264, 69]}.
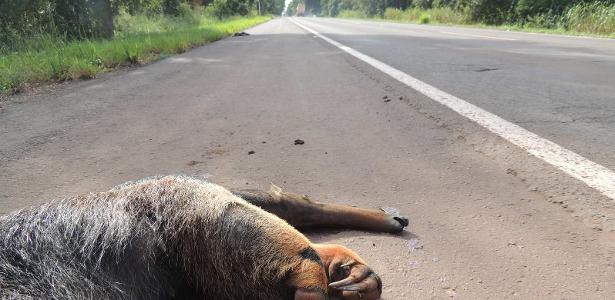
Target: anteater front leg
{"type": "Point", "coordinates": [301, 212]}
{"type": "Point", "coordinates": [309, 279]}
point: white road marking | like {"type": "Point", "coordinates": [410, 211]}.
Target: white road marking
{"type": "Point", "coordinates": [479, 36]}
{"type": "Point", "coordinates": [575, 165]}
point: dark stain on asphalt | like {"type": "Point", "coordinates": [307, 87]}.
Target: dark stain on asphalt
{"type": "Point", "coordinates": [194, 163]}
{"type": "Point", "coordinates": [251, 152]}
{"type": "Point", "coordinates": [486, 70]}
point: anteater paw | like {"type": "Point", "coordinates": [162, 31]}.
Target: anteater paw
{"type": "Point", "coordinates": [397, 221]}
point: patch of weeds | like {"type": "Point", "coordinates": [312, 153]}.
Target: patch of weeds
{"type": "Point", "coordinates": [45, 59]}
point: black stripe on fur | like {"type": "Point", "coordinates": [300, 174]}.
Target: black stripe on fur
{"type": "Point", "coordinates": [311, 254]}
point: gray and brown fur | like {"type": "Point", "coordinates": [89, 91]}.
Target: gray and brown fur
{"type": "Point", "coordinates": [158, 238]}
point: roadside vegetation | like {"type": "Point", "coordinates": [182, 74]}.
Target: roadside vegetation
{"type": "Point", "coordinates": [587, 17]}
{"type": "Point", "coordinates": [38, 45]}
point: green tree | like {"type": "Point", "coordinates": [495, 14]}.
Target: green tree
{"type": "Point", "coordinates": [527, 8]}
{"type": "Point", "coordinates": [488, 11]}
{"type": "Point", "coordinates": [171, 7]}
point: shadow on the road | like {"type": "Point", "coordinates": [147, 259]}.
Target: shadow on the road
{"type": "Point", "coordinates": [328, 235]}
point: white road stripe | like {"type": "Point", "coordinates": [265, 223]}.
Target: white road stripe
{"type": "Point", "coordinates": [479, 36]}
{"type": "Point", "coordinates": [575, 165]}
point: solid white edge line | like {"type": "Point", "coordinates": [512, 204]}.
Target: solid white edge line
{"type": "Point", "coordinates": [575, 165]}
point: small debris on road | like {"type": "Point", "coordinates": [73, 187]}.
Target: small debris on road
{"type": "Point", "coordinates": [243, 33]}
{"type": "Point", "coordinates": [299, 142]}
{"type": "Point", "coordinates": [387, 100]}
{"type": "Point", "coordinates": [194, 162]}
{"type": "Point", "coordinates": [515, 244]}
{"type": "Point", "coordinates": [251, 152]}
{"type": "Point", "coordinates": [385, 97]}
{"type": "Point", "coordinates": [451, 293]}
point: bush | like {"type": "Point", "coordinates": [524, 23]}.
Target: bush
{"type": "Point", "coordinates": [443, 15]}
{"type": "Point", "coordinates": [393, 14]}
{"type": "Point", "coordinates": [444, 3]}
{"type": "Point", "coordinates": [528, 8]}
{"type": "Point", "coordinates": [490, 11]}
{"type": "Point", "coordinates": [69, 18]}
{"type": "Point", "coordinates": [126, 24]}
{"type": "Point", "coordinates": [190, 15]}
{"type": "Point", "coordinates": [547, 20]}
{"type": "Point", "coordinates": [226, 8]}
{"type": "Point", "coordinates": [411, 14]}
{"type": "Point", "coordinates": [352, 14]}
{"type": "Point", "coordinates": [424, 4]}
{"type": "Point", "coordinates": [170, 7]}
{"type": "Point", "coordinates": [447, 15]}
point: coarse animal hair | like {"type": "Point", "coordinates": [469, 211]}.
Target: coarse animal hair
{"type": "Point", "coordinates": [181, 237]}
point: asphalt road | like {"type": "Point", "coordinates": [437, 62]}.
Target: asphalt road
{"type": "Point", "coordinates": [487, 219]}
{"type": "Point", "coordinates": [562, 88]}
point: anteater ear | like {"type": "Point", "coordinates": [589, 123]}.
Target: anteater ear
{"type": "Point", "coordinates": [310, 294]}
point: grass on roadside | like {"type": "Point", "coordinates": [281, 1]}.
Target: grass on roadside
{"type": "Point", "coordinates": [443, 15]}
{"type": "Point", "coordinates": [593, 19]}
{"type": "Point", "coordinates": [139, 39]}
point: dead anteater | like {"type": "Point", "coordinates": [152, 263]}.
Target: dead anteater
{"type": "Point", "coordinates": [184, 238]}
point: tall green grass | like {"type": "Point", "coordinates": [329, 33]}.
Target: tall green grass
{"type": "Point", "coordinates": [138, 39]}
{"type": "Point", "coordinates": [597, 18]}
{"type": "Point", "coordinates": [592, 17]}
{"type": "Point", "coordinates": [440, 15]}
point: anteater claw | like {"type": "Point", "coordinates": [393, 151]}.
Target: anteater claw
{"type": "Point", "coordinates": [403, 221]}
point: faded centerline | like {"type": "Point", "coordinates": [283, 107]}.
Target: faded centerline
{"type": "Point", "coordinates": [573, 164]}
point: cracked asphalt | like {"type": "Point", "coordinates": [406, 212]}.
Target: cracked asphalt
{"type": "Point", "coordinates": [488, 221]}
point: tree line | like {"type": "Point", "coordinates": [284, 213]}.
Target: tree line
{"type": "Point", "coordinates": [485, 11]}
{"type": "Point", "coordinates": [81, 19]}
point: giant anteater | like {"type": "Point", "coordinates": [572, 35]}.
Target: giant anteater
{"type": "Point", "coordinates": [185, 238]}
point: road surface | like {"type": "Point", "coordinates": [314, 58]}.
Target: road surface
{"type": "Point", "coordinates": [562, 88]}
{"type": "Point", "coordinates": [488, 220]}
